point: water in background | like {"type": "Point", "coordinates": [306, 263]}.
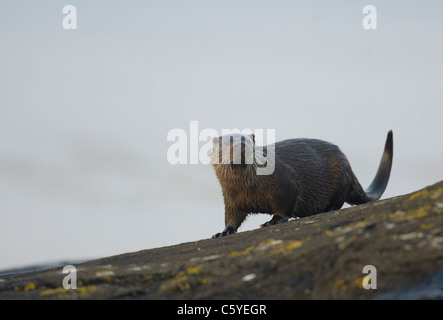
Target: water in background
{"type": "Point", "coordinates": [84, 114]}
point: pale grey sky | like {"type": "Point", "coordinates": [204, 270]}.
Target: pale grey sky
{"type": "Point", "coordinates": [84, 114]}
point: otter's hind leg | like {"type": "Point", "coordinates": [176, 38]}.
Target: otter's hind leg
{"type": "Point", "coordinates": [276, 219]}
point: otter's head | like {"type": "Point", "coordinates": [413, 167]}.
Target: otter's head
{"type": "Point", "coordinates": [234, 150]}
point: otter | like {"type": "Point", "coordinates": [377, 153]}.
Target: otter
{"type": "Point", "coordinates": [310, 176]}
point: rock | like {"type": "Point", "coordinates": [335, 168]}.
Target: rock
{"type": "Point", "coordinates": [318, 257]}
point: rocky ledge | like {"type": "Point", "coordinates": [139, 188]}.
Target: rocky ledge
{"type": "Point", "coordinates": [390, 249]}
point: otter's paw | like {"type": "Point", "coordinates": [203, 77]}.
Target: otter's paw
{"type": "Point", "coordinates": [275, 220]}
{"type": "Point", "coordinates": [226, 232]}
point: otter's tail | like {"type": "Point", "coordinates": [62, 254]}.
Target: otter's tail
{"type": "Point", "coordinates": [378, 185]}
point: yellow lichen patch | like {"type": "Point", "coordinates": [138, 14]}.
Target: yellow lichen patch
{"type": "Point", "coordinates": [179, 282]}
{"type": "Point", "coordinates": [397, 214]}
{"type": "Point", "coordinates": [30, 286]}
{"type": "Point", "coordinates": [285, 248]}
{"type": "Point", "coordinates": [193, 269]}
{"type": "Point", "coordinates": [267, 244]}
{"type": "Point", "coordinates": [436, 194]}
{"type": "Point", "coordinates": [63, 290]}
{"type": "Point", "coordinates": [293, 245]}
{"type": "Point", "coordinates": [53, 291]}
{"type": "Point", "coordinates": [278, 248]}
{"type": "Point", "coordinates": [241, 253]}
{"type": "Point", "coordinates": [415, 214]}
{"type": "Point", "coordinates": [340, 283]}
{"type": "Point", "coordinates": [357, 225]}
{"type": "Point", "coordinates": [109, 267]}
{"type": "Point", "coordinates": [347, 228]}
{"type": "Point", "coordinates": [422, 193]}
{"type": "Point", "coordinates": [86, 289]}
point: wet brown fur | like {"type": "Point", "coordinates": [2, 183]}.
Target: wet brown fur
{"type": "Point", "coordinates": [310, 176]}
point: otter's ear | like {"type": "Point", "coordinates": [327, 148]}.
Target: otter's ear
{"type": "Point", "coordinates": [215, 140]}
{"type": "Point", "coordinates": [252, 137]}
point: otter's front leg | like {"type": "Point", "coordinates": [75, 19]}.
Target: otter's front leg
{"type": "Point", "coordinates": [233, 219]}
{"type": "Point", "coordinates": [228, 230]}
